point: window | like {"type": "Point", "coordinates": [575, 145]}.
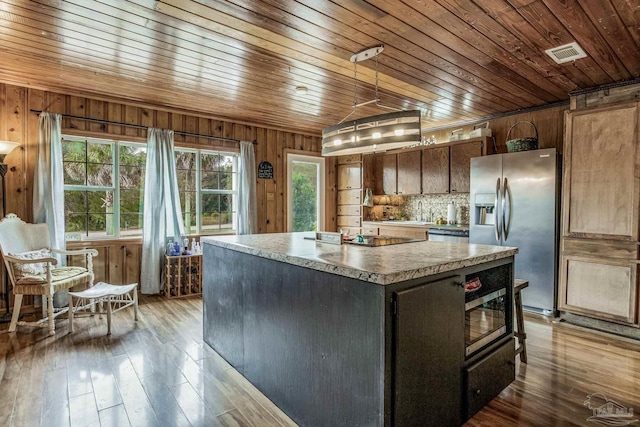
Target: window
{"type": "Point", "coordinates": [208, 186]}
{"type": "Point", "coordinates": [305, 192]}
{"type": "Point", "coordinates": [104, 186]}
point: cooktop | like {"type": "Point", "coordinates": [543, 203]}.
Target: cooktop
{"type": "Point", "coordinates": [381, 241]}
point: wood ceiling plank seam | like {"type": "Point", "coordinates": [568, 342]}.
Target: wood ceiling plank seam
{"type": "Point", "coordinates": [133, 70]}
{"type": "Point", "coordinates": [498, 53]}
{"type": "Point", "coordinates": [503, 38]}
{"type": "Point", "coordinates": [132, 48]}
{"type": "Point", "coordinates": [260, 38]}
{"type": "Point", "coordinates": [630, 16]}
{"type": "Point", "coordinates": [434, 83]}
{"type": "Point", "coordinates": [585, 33]}
{"type": "Point", "coordinates": [457, 75]}
{"type": "Point", "coordinates": [166, 101]}
{"type": "Point", "coordinates": [138, 65]}
{"type": "Point", "coordinates": [555, 33]}
{"type": "Point", "coordinates": [614, 32]}
{"type": "Point", "coordinates": [437, 107]}
{"type": "Point", "coordinates": [502, 76]}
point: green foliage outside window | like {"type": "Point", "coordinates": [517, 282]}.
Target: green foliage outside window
{"type": "Point", "coordinates": [304, 197]}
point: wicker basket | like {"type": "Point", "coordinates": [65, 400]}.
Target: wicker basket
{"type": "Point", "coordinates": [522, 144]}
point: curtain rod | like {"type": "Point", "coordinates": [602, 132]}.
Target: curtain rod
{"type": "Point", "coordinates": [109, 122]}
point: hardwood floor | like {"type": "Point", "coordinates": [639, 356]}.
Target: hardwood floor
{"type": "Point", "coordinates": [158, 372]}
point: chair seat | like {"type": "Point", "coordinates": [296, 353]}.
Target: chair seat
{"type": "Point", "coordinates": [61, 278]}
{"type": "Point", "coordinates": [102, 289]}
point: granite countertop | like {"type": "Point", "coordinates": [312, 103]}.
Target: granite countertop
{"type": "Point", "coordinates": [382, 265]}
{"type": "Point", "coordinates": [422, 224]}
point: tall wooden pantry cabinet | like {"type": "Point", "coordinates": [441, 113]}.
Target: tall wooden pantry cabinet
{"type": "Point", "coordinates": [600, 213]}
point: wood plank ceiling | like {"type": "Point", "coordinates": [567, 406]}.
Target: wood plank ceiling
{"type": "Point", "coordinates": [456, 60]}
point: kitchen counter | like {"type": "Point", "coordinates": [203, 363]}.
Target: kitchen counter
{"type": "Point", "coordinates": [381, 265]}
{"type": "Point", "coordinates": [351, 335]}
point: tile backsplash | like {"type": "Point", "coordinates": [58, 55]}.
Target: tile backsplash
{"type": "Point", "coordinates": [433, 206]}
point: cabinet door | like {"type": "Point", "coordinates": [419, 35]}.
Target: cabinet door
{"type": "Point", "coordinates": [435, 170]}
{"type": "Point", "coordinates": [386, 174]}
{"type": "Point", "coordinates": [409, 164]}
{"type": "Point", "coordinates": [601, 185]}
{"type": "Point", "coordinates": [349, 176]}
{"type": "Point", "coordinates": [429, 354]}
{"type": "Point", "coordinates": [599, 287]}
{"type": "Point", "coordinates": [349, 197]}
{"type": "Point", "coordinates": [461, 155]}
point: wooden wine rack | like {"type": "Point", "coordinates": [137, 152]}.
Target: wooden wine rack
{"type": "Point", "coordinates": [183, 276]}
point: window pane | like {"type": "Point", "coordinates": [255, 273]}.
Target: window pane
{"type": "Point", "coordinates": [132, 176]}
{"type": "Point", "coordinates": [188, 206]}
{"type": "Point", "coordinates": [74, 151]}
{"type": "Point", "coordinates": [226, 181]}
{"type": "Point", "coordinates": [75, 173]}
{"type": "Point", "coordinates": [305, 212]}
{"type": "Point", "coordinates": [130, 224]}
{"type": "Point", "coordinates": [90, 212]}
{"type": "Point", "coordinates": [100, 174]}
{"type": "Point", "coordinates": [99, 152]}
{"type": "Point", "coordinates": [217, 212]}
{"type": "Point", "coordinates": [133, 155]}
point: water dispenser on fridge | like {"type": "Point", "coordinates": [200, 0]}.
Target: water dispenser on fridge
{"type": "Point", "coordinates": [485, 204]}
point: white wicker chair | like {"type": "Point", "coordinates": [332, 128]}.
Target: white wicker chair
{"type": "Point", "coordinates": [19, 245]}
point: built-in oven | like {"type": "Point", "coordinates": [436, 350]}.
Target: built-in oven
{"type": "Point", "coordinates": [488, 308]}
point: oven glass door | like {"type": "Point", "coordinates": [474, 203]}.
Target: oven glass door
{"type": "Point", "coordinates": [485, 320]}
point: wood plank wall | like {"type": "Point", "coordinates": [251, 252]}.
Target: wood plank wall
{"type": "Point", "coordinates": [18, 124]}
{"type": "Point", "coordinates": [549, 121]}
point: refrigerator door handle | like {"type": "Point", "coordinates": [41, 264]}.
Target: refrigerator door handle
{"type": "Point", "coordinates": [506, 209]}
{"type": "Point", "coordinates": [496, 218]}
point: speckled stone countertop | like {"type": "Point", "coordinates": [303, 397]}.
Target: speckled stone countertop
{"type": "Point", "coordinates": [383, 265]}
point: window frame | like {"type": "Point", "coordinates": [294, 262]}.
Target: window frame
{"type": "Point", "coordinates": [201, 191]}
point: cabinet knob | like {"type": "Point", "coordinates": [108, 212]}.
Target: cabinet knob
{"type": "Point", "coordinates": [461, 284]}
{"type": "Point", "coordinates": [478, 392]}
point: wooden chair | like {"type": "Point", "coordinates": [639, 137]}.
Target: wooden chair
{"type": "Point", "coordinates": [32, 268]}
{"type": "Point", "coordinates": [519, 285]}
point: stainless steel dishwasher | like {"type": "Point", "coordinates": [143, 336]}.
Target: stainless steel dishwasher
{"type": "Point", "coordinates": [448, 235]}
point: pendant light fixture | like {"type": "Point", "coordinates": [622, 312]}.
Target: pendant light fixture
{"type": "Point", "coordinates": [374, 133]}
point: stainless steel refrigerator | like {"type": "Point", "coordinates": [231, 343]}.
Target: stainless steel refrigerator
{"type": "Point", "coordinates": [515, 201]}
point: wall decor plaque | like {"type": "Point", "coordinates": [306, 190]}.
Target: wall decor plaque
{"type": "Point", "coordinates": [265, 170]}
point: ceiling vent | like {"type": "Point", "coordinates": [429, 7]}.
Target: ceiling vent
{"type": "Point", "coordinates": [566, 53]}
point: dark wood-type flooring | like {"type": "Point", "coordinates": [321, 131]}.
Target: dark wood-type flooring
{"type": "Point", "coordinates": [159, 372]}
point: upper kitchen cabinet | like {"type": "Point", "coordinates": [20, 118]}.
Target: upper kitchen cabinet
{"type": "Point", "coordinates": [386, 174]}
{"type": "Point", "coordinates": [460, 161]}
{"type": "Point", "coordinates": [601, 173]}
{"type": "Point", "coordinates": [435, 170]}
{"type": "Point", "coordinates": [349, 176]}
{"type": "Point", "coordinates": [409, 172]}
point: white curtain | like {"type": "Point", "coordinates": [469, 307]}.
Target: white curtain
{"type": "Point", "coordinates": [48, 188]}
{"type": "Point", "coordinates": [247, 212]}
{"type": "Point", "coordinates": [48, 185]}
{"type": "Point", "coordinates": [162, 212]}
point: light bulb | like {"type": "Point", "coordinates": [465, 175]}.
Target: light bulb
{"type": "Point", "coordinates": [399, 132]}
{"type": "Point", "coordinates": [376, 135]}
{"type": "Point", "coordinates": [337, 142]}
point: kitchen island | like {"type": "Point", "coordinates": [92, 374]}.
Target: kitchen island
{"type": "Point", "coordinates": [351, 335]}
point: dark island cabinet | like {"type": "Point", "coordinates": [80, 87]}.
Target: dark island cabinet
{"type": "Point", "coordinates": [428, 354]}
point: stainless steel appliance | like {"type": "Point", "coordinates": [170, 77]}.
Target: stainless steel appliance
{"type": "Point", "coordinates": [486, 317]}
{"type": "Point", "coordinates": [515, 201]}
{"type": "Point", "coordinates": [448, 235]}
